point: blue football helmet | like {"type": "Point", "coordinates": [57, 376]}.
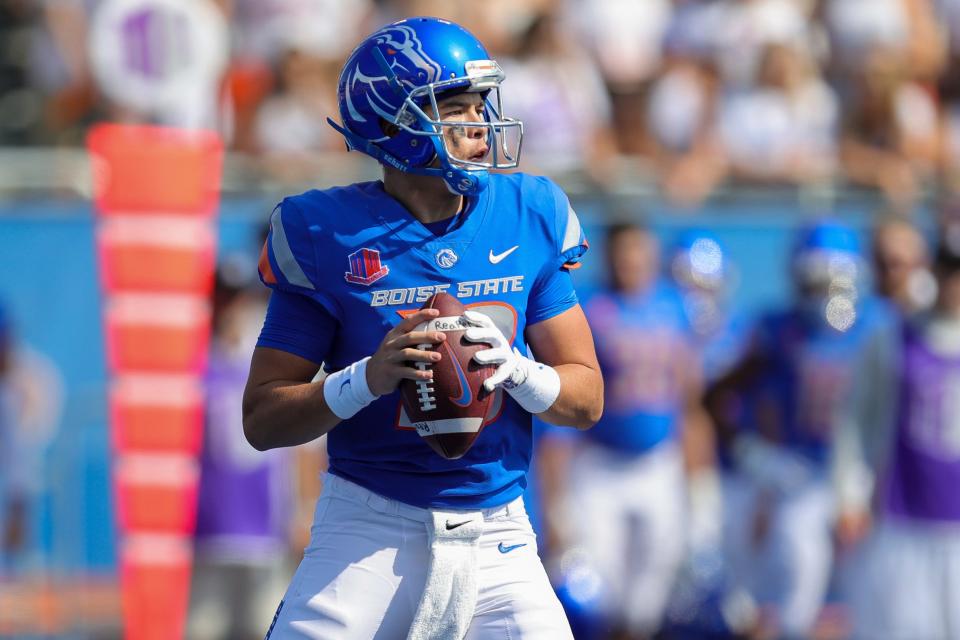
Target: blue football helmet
{"type": "Point", "coordinates": [827, 251]}
{"type": "Point", "coordinates": [828, 271]}
{"type": "Point", "coordinates": [388, 94]}
{"type": "Point", "coordinates": [698, 261]}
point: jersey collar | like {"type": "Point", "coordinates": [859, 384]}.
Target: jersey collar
{"type": "Point", "coordinates": [407, 228]}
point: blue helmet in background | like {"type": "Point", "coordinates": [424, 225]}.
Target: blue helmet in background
{"type": "Point", "coordinates": [827, 267]}
{"type": "Point", "coordinates": [826, 252]}
{"type": "Point", "coordinates": [698, 260]}
{"type": "Point", "coordinates": [388, 93]}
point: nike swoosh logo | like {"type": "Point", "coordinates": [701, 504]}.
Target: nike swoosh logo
{"type": "Point", "coordinates": [344, 384]}
{"type": "Point", "coordinates": [452, 526]}
{"type": "Point", "coordinates": [497, 257]}
{"type": "Point", "coordinates": [505, 549]}
{"type": "Point", "coordinates": [466, 396]}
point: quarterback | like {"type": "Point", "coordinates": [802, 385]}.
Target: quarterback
{"type": "Point", "coordinates": [406, 543]}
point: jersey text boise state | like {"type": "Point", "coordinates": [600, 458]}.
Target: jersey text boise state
{"type": "Point", "coordinates": [469, 289]}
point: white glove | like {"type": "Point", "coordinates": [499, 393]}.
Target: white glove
{"type": "Point", "coordinates": [533, 385]}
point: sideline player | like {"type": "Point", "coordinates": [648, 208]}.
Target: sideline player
{"type": "Point", "coordinates": [350, 267]}
{"type": "Point", "coordinates": [796, 378]}
{"type": "Point", "coordinates": [707, 599]}
{"type": "Point", "coordinates": [899, 451]}
{"type": "Point", "coordinates": [625, 484]}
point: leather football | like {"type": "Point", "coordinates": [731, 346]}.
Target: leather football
{"type": "Point", "coordinates": [448, 411]}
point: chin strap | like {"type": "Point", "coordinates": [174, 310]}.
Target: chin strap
{"type": "Point", "coordinates": [459, 181]}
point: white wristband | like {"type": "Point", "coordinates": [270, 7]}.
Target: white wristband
{"type": "Point", "coordinates": [346, 391]}
{"type": "Point", "coordinates": [533, 385]}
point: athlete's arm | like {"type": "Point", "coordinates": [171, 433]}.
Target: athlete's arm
{"type": "Point", "coordinates": [283, 407]}
{"type": "Point", "coordinates": [565, 343]}
{"type": "Point", "coordinates": [861, 435]}
{"type": "Point", "coordinates": [697, 435]}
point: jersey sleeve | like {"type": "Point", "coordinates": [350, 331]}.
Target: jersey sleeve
{"type": "Point", "coordinates": [553, 291]}
{"type": "Point", "coordinates": [298, 325]}
{"type": "Point", "coordinates": [288, 260]}
{"type": "Point", "coordinates": [571, 241]}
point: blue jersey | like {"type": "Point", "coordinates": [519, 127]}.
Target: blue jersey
{"type": "Point", "coordinates": [809, 375]}
{"type": "Point", "coordinates": [645, 349]}
{"type": "Point", "coordinates": [359, 254]}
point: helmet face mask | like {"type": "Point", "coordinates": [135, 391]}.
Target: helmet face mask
{"type": "Point", "coordinates": [504, 136]}
{"type": "Point", "coordinates": [397, 79]}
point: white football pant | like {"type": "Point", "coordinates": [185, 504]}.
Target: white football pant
{"type": "Point", "coordinates": [792, 567]}
{"type": "Point", "coordinates": [907, 583]}
{"type": "Point", "coordinates": [365, 570]}
{"type": "Point", "coordinates": [626, 514]}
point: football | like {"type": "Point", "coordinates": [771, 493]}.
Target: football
{"type": "Point", "coordinates": [449, 410]}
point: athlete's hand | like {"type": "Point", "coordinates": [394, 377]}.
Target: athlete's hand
{"type": "Point", "coordinates": [852, 527]}
{"type": "Point", "coordinates": [392, 362]}
{"type": "Point", "coordinates": [510, 371]}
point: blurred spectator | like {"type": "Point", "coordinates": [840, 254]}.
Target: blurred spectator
{"type": "Point", "coordinates": [783, 129]}
{"type": "Point", "coordinates": [291, 126]}
{"type": "Point", "coordinates": [31, 399]}
{"type": "Point", "coordinates": [949, 88]}
{"type": "Point", "coordinates": [901, 265]}
{"type": "Point", "coordinates": [795, 379]}
{"type": "Point", "coordinates": [247, 504]}
{"type": "Point", "coordinates": [681, 118]}
{"type": "Point", "coordinates": [625, 481]}
{"type": "Point", "coordinates": [265, 35]}
{"type": "Point", "coordinates": [560, 98]}
{"type": "Point", "coordinates": [626, 39]}
{"type": "Point", "coordinates": [745, 29]}
{"type": "Point", "coordinates": [900, 452]}
{"type": "Point", "coordinates": [21, 107]}
{"type": "Point", "coordinates": [499, 24]}
{"type": "Point", "coordinates": [891, 130]}
{"type": "Point", "coordinates": [856, 28]}
{"type": "Point", "coordinates": [324, 29]}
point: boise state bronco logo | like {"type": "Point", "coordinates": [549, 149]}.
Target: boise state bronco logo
{"type": "Point", "coordinates": [406, 58]}
{"type": "Point", "coordinates": [365, 267]}
{"type": "Point", "coordinates": [446, 258]}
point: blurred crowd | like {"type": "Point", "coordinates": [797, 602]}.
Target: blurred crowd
{"type": "Point", "coordinates": [804, 93]}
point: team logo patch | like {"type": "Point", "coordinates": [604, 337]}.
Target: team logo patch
{"type": "Point", "coordinates": [365, 267]}
{"type": "Point", "coordinates": [446, 258]}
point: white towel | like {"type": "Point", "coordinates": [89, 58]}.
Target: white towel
{"type": "Point", "coordinates": [450, 595]}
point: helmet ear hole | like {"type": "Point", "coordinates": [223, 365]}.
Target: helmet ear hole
{"type": "Point", "coordinates": [389, 129]}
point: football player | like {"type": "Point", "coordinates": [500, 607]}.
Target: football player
{"type": "Point", "coordinates": [625, 482]}
{"type": "Point", "coordinates": [406, 543]}
{"type": "Point", "coordinates": [898, 469]}
{"type": "Point", "coordinates": [797, 377]}
{"type": "Point", "coordinates": [708, 598]}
